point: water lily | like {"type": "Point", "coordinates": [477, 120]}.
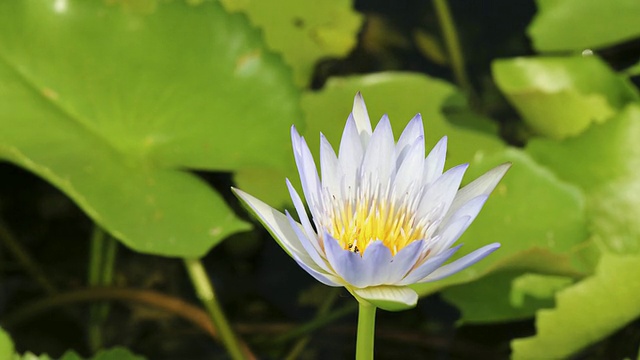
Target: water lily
{"type": "Point", "coordinates": [383, 216]}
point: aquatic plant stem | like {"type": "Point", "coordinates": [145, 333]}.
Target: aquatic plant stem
{"type": "Point", "coordinates": [206, 294]}
{"type": "Point", "coordinates": [366, 331]}
{"type": "Point", "coordinates": [453, 44]}
{"type": "Point", "coordinates": [102, 260]}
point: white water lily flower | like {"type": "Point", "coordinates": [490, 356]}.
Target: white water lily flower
{"type": "Point", "coordinates": [382, 216]}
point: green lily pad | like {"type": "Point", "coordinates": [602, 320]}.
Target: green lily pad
{"type": "Point", "coordinates": [6, 345]}
{"type": "Point", "coordinates": [603, 162]}
{"type": "Point", "coordinates": [562, 97]}
{"type": "Point", "coordinates": [586, 312]}
{"type": "Point", "coordinates": [502, 296]}
{"type": "Point", "coordinates": [111, 103]}
{"type": "Point", "coordinates": [304, 32]}
{"type": "Point", "coordinates": [575, 25]}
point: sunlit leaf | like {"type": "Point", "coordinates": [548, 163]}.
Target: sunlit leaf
{"type": "Point", "coordinates": [110, 103]}
{"type": "Point", "coordinates": [586, 312]}
{"type": "Point", "coordinates": [561, 97]}
{"type": "Point", "coordinates": [487, 300]}
{"type": "Point", "coordinates": [303, 32]}
{"type": "Point", "coordinates": [6, 345]}
{"type": "Point", "coordinates": [604, 161]}
{"type": "Point", "coordinates": [582, 24]}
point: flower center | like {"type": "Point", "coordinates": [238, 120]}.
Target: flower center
{"type": "Point", "coordinates": [366, 215]}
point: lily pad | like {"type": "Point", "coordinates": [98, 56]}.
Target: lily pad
{"type": "Point", "coordinates": [575, 25]}
{"type": "Point", "coordinates": [502, 296]}
{"type": "Point", "coordinates": [112, 102]}
{"type": "Point", "coordinates": [591, 309]}
{"type": "Point", "coordinates": [604, 162]}
{"type": "Point", "coordinates": [562, 97]}
{"type": "Point", "coordinates": [303, 32]}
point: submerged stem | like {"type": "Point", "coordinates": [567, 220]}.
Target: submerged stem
{"type": "Point", "coordinates": [366, 331]}
{"type": "Point", "coordinates": [452, 42]}
{"type": "Point", "coordinates": [206, 294]}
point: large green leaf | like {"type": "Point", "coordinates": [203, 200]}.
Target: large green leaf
{"type": "Point", "coordinates": [561, 97]}
{"type": "Point", "coordinates": [586, 312]}
{"type": "Point", "coordinates": [304, 32]}
{"type": "Point", "coordinates": [400, 95]}
{"type": "Point", "coordinates": [538, 219]}
{"type": "Point", "coordinates": [582, 24]}
{"type": "Point", "coordinates": [6, 345]}
{"type": "Point", "coordinates": [498, 297]}
{"type": "Point", "coordinates": [604, 161]}
{"type": "Point", "coordinates": [111, 103]}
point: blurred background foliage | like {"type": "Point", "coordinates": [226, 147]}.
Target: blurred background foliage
{"type": "Point", "coordinates": [123, 123]}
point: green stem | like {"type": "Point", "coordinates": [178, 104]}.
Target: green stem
{"type": "Point", "coordinates": [366, 331]}
{"type": "Point", "coordinates": [453, 44]}
{"type": "Point", "coordinates": [323, 310]}
{"type": "Point", "coordinates": [101, 266]}
{"type": "Point", "coordinates": [24, 258]}
{"type": "Point", "coordinates": [206, 294]}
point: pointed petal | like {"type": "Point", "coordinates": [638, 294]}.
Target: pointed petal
{"type": "Point", "coordinates": [350, 153]}
{"type": "Point", "coordinates": [379, 159]}
{"type": "Point", "coordinates": [450, 234]}
{"type": "Point", "coordinates": [361, 116]}
{"type": "Point", "coordinates": [390, 298]}
{"type": "Point", "coordinates": [429, 266]}
{"type": "Point", "coordinates": [276, 223]}
{"type": "Point", "coordinates": [302, 213]}
{"type": "Point", "coordinates": [483, 185]}
{"type": "Point", "coordinates": [347, 264]}
{"type": "Point", "coordinates": [325, 278]}
{"type": "Point", "coordinates": [329, 167]}
{"type": "Point", "coordinates": [468, 210]}
{"type": "Point", "coordinates": [404, 261]}
{"type": "Point", "coordinates": [410, 170]}
{"type": "Point", "coordinates": [411, 132]}
{"type": "Point", "coordinates": [434, 163]}
{"type": "Point", "coordinates": [438, 197]}
{"type": "Point", "coordinates": [461, 263]}
{"type": "Point", "coordinates": [307, 170]}
{"type": "Point", "coordinates": [375, 264]}
{"type": "Point", "coordinates": [319, 262]}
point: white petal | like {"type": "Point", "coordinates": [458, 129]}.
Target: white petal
{"type": "Point", "coordinates": [329, 167]}
{"type": "Point", "coordinates": [362, 118]}
{"type": "Point", "coordinates": [483, 185]}
{"type": "Point", "coordinates": [327, 279]}
{"type": "Point", "coordinates": [469, 210]}
{"type": "Point", "coordinates": [375, 264]}
{"type": "Point", "coordinates": [319, 262]}
{"type": "Point", "coordinates": [450, 234]}
{"type": "Point", "coordinates": [404, 261]}
{"type": "Point", "coordinates": [461, 263]}
{"type": "Point", "coordinates": [379, 159]}
{"type": "Point", "coordinates": [411, 132]}
{"type": "Point", "coordinates": [438, 197]}
{"type": "Point", "coordinates": [434, 163]}
{"type": "Point", "coordinates": [350, 153]}
{"type": "Point", "coordinates": [302, 213]}
{"type": "Point", "coordinates": [347, 264]}
{"type": "Point", "coordinates": [308, 172]}
{"type": "Point", "coordinates": [430, 265]}
{"type": "Point", "coordinates": [276, 223]}
{"type": "Point", "coordinates": [410, 170]}
{"type": "Point", "coordinates": [390, 298]}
